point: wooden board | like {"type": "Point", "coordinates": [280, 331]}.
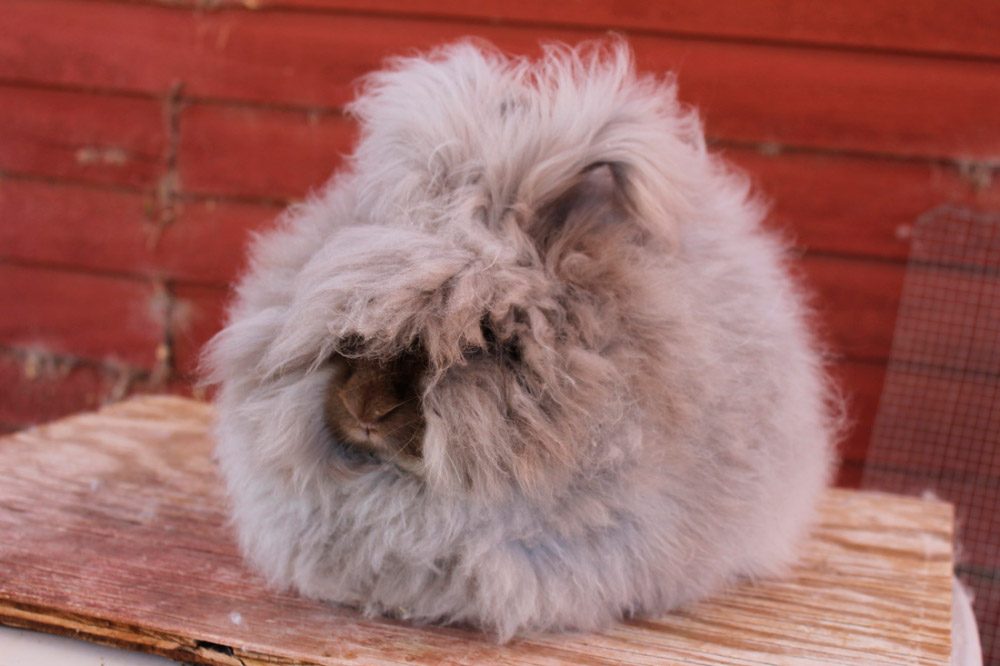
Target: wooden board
{"type": "Point", "coordinates": [821, 98]}
{"type": "Point", "coordinates": [110, 140]}
{"type": "Point", "coordinates": [938, 26]}
{"type": "Point", "coordinates": [94, 316]}
{"type": "Point", "coordinates": [114, 530]}
{"type": "Point", "coordinates": [828, 203]}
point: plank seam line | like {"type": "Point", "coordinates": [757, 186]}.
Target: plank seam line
{"type": "Point", "coordinates": [214, 6]}
{"type": "Point", "coordinates": [165, 277]}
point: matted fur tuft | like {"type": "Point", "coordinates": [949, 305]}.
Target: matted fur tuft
{"type": "Point", "coordinates": [624, 407]}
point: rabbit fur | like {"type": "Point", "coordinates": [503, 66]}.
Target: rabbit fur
{"type": "Point", "coordinates": [625, 408]}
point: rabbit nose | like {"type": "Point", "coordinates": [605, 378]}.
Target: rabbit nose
{"type": "Point", "coordinates": [360, 409]}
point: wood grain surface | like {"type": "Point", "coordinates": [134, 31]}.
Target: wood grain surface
{"type": "Point", "coordinates": [114, 530]}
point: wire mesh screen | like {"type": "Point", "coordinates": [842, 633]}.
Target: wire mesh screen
{"type": "Point", "coordinates": [938, 423]}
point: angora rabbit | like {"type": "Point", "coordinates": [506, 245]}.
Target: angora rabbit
{"type": "Point", "coordinates": [529, 362]}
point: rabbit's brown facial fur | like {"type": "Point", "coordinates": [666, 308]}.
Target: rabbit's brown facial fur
{"type": "Point", "coordinates": [374, 406]}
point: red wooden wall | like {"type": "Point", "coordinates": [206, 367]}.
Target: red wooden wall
{"type": "Point", "coordinates": [140, 141]}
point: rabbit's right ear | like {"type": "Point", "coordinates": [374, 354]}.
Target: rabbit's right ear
{"type": "Point", "coordinates": [596, 196]}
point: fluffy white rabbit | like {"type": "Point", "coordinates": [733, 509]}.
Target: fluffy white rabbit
{"type": "Point", "coordinates": [617, 404]}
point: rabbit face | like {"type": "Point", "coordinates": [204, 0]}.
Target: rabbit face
{"type": "Point", "coordinates": [532, 269]}
{"type": "Point", "coordinates": [526, 330]}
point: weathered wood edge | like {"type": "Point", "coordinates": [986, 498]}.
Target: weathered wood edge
{"type": "Point", "coordinates": [116, 633]}
{"type": "Point", "coordinates": [122, 635]}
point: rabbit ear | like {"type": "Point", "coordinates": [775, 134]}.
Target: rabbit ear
{"type": "Point", "coordinates": [600, 185]}
{"type": "Point", "coordinates": [597, 189]}
{"type": "Point", "coordinates": [596, 198]}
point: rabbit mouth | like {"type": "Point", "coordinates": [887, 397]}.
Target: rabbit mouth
{"type": "Point", "coordinates": [371, 455]}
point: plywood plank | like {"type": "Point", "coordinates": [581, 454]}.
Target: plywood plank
{"type": "Point", "coordinates": [115, 532]}
{"type": "Point", "coordinates": [977, 526]}
{"type": "Point", "coordinates": [966, 27]}
{"type": "Point", "coordinates": [811, 97]}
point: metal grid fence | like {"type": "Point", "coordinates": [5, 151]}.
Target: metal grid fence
{"type": "Point", "coordinates": [938, 422]}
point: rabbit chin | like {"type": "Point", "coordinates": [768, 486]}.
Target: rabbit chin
{"type": "Point", "coordinates": [381, 448]}
{"type": "Point", "coordinates": [624, 407]}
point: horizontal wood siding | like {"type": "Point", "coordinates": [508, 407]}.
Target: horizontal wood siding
{"type": "Point", "coordinates": [142, 142]}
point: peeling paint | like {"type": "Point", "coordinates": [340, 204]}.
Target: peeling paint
{"type": "Point", "coordinates": [182, 316]}
{"type": "Point", "coordinates": [122, 383]}
{"type": "Point", "coordinates": [109, 155]}
{"type": "Point", "coordinates": [117, 379]}
{"type": "Point", "coordinates": [209, 5]}
{"type": "Point", "coordinates": [162, 352]}
{"type": "Point", "coordinates": [161, 311]}
{"type": "Point", "coordinates": [159, 304]}
{"type": "Point", "coordinates": [166, 208]}
{"type": "Point", "coordinates": [770, 148]}
{"type": "Point", "coordinates": [978, 174]}
{"type": "Point", "coordinates": [40, 364]}
{"type": "Point", "coordinates": [222, 39]}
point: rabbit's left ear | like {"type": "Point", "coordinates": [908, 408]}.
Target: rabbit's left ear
{"type": "Point", "coordinates": [596, 194]}
{"type": "Point", "coordinates": [597, 202]}
{"type": "Point", "coordinates": [601, 185]}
